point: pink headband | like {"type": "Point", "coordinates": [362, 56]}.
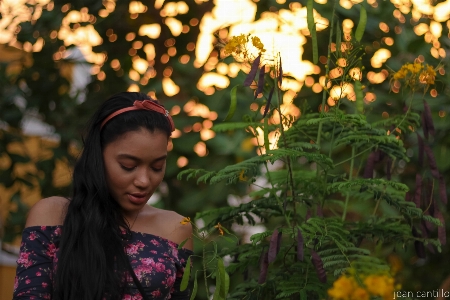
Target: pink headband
{"type": "Point", "coordinates": [142, 105]}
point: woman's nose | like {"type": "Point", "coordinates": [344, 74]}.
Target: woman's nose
{"type": "Point", "coordinates": [142, 178]}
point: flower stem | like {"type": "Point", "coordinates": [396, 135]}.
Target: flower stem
{"type": "Point", "coordinates": [350, 176]}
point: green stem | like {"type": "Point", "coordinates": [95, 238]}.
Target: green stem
{"type": "Point", "coordinates": [324, 94]}
{"type": "Point", "coordinates": [280, 203]}
{"type": "Point", "coordinates": [288, 158]}
{"type": "Point", "coordinates": [332, 135]}
{"type": "Point", "coordinates": [204, 269]}
{"type": "Point", "coordinates": [353, 156]}
{"type": "Point", "coordinates": [350, 176]}
{"type": "Point", "coordinates": [406, 113]}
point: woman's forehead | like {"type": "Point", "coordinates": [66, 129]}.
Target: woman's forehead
{"type": "Point", "coordinates": [139, 143]}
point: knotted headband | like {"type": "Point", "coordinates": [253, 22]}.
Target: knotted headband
{"type": "Point", "coordinates": [142, 105]}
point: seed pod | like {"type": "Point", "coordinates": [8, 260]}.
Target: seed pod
{"type": "Point", "coordinates": [274, 246]}
{"type": "Point", "coordinates": [251, 75]}
{"type": "Point", "coordinates": [318, 264]}
{"type": "Point", "coordinates": [263, 269]}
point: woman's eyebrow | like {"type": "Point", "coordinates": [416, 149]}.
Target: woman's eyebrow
{"type": "Point", "coordinates": [132, 157]}
{"type": "Point", "coordinates": [160, 158]}
{"type": "Point", "coordinates": [129, 156]}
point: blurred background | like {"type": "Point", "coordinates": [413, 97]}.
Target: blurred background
{"type": "Point", "coordinates": [59, 60]}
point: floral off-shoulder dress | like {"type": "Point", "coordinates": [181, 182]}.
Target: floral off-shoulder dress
{"type": "Point", "coordinates": [157, 262]}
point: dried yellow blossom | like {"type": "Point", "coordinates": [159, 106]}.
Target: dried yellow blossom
{"type": "Point", "coordinates": [219, 227]}
{"type": "Point", "coordinates": [185, 221]}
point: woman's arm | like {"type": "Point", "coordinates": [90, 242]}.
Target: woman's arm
{"type": "Point", "coordinates": [40, 241]}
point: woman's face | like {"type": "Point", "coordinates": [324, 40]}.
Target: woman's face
{"type": "Point", "coordinates": [135, 164]}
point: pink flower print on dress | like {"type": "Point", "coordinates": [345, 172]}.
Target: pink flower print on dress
{"type": "Point", "coordinates": [148, 261]}
{"type": "Point", "coordinates": [175, 252]}
{"type": "Point", "coordinates": [132, 249]}
{"type": "Point", "coordinates": [23, 258]}
{"type": "Point", "coordinates": [172, 244]}
{"type": "Point", "coordinates": [44, 284]}
{"type": "Point", "coordinates": [137, 297]}
{"type": "Point", "coordinates": [156, 293]}
{"type": "Point", "coordinates": [51, 250]}
{"type": "Point", "coordinates": [155, 242]}
{"type": "Point", "coordinates": [28, 281]}
{"type": "Point", "coordinates": [58, 231]}
{"type": "Point", "coordinates": [33, 236]}
{"type": "Point", "coordinates": [160, 267]}
{"type": "Point", "coordinates": [38, 274]}
{"type": "Point", "coordinates": [170, 281]}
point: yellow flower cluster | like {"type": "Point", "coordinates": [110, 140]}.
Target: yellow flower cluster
{"type": "Point", "coordinates": [238, 45]}
{"type": "Point", "coordinates": [416, 74]}
{"type": "Point", "coordinates": [347, 288]}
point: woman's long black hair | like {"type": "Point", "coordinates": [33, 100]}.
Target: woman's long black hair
{"type": "Point", "coordinates": [92, 261]}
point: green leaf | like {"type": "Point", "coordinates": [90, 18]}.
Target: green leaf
{"type": "Point", "coordinates": [182, 243]}
{"type": "Point", "coordinates": [228, 239]}
{"type": "Point", "coordinates": [359, 97]}
{"type": "Point", "coordinates": [233, 103]}
{"type": "Point", "coordinates": [312, 30]}
{"type": "Point", "coordinates": [194, 290]}
{"type": "Point", "coordinates": [361, 25]}
{"type": "Point", "coordinates": [186, 275]}
{"type": "Point", "coordinates": [216, 295]}
{"type": "Point", "coordinates": [224, 279]}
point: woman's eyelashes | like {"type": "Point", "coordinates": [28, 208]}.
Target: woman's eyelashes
{"type": "Point", "coordinates": [128, 169]}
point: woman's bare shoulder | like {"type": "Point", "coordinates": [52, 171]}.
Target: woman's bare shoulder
{"type": "Point", "coordinates": [170, 226]}
{"type": "Point", "coordinates": [48, 212]}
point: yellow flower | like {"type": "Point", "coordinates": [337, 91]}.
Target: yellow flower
{"type": "Point", "coordinates": [416, 76]}
{"type": "Point", "coordinates": [242, 176]}
{"type": "Point", "coordinates": [380, 285]}
{"type": "Point", "coordinates": [238, 45]}
{"type": "Point", "coordinates": [360, 294]}
{"type": "Point", "coordinates": [258, 44]}
{"type": "Point", "coordinates": [395, 262]}
{"type": "Point", "coordinates": [428, 75]}
{"type": "Point", "coordinates": [185, 221]}
{"type": "Point", "coordinates": [219, 227]}
{"type": "Point", "coordinates": [342, 288]}
{"type": "Point", "coordinates": [235, 44]}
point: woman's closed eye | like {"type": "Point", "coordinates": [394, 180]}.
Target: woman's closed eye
{"type": "Point", "coordinates": [127, 168]}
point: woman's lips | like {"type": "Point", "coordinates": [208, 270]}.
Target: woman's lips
{"type": "Point", "coordinates": [138, 198]}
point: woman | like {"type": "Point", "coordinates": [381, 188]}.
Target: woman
{"type": "Point", "coordinates": [105, 242]}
